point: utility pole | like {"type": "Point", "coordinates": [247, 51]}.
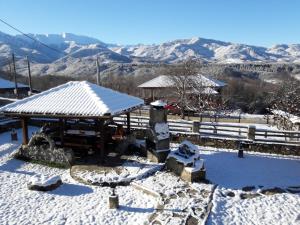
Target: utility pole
{"type": "Point", "coordinates": [15, 75]}
{"type": "Point", "coordinates": [10, 70]}
{"type": "Point", "coordinates": [29, 77]}
{"type": "Point", "coordinates": [98, 72]}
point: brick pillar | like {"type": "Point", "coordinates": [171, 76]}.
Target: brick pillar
{"type": "Point", "coordinates": [196, 126]}
{"type": "Point", "coordinates": [251, 132]}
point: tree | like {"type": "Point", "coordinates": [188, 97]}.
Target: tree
{"type": "Point", "coordinates": [181, 78]}
{"type": "Point", "coordinates": [286, 97]}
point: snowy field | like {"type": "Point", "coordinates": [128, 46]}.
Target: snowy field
{"type": "Point", "coordinates": [75, 203]}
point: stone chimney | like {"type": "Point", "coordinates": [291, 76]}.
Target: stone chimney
{"type": "Point", "coordinates": [158, 137]}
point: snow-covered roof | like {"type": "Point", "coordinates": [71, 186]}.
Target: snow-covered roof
{"type": "Point", "coordinates": [165, 81]}
{"type": "Point", "coordinates": [206, 90]}
{"type": "Point", "coordinates": [75, 98]}
{"type": "Point", "coordinates": [8, 84]}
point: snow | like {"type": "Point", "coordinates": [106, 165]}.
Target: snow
{"type": "Point", "coordinates": [291, 117]}
{"type": "Point", "coordinates": [76, 203]}
{"type": "Point", "coordinates": [224, 168]}
{"type": "Point", "coordinates": [71, 203]}
{"type": "Point", "coordinates": [43, 181]}
{"type": "Point", "coordinates": [162, 131]}
{"type": "Point", "coordinates": [77, 98]}
{"type": "Point", "coordinates": [276, 209]}
{"type": "Point", "coordinates": [165, 81]}
{"type": "Point", "coordinates": [194, 159]}
{"type": "Point", "coordinates": [264, 210]}
{"type": "Point", "coordinates": [131, 170]}
{"type": "Point", "coordinates": [159, 103]}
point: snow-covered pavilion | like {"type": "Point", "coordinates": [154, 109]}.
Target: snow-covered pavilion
{"type": "Point", "coordinates": [73, 100]}
{"type": "Point", "coordinates": [209, 85]}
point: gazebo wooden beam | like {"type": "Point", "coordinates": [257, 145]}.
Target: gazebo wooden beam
{"type": "Point", "coordinates": [102, 140]}
{"type": "Point", "coordinates": [24, 123]}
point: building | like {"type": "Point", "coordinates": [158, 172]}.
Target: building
{"type": "Point", "coordinates": [7, 91]}
{"type": "Point", "coordinates": [160, 86]}
{"type": "Point", "coordinates": [78, 116]}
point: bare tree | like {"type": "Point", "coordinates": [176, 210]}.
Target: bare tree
{"type": "Point", "coordinates": [181, 78]}
{"type": "Point", "coordinates": [287, 97]}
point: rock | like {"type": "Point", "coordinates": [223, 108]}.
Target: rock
{"type": "Point", "coordinates": [192, 221]}
{"type": "Point", "coordinates": [42, 183]}
{"type": "Point", "coordinates": [248, 188]}
{"type": "Point", "coordinates": [272, 191]}
{"type": "Point", "coordinates": [230, 194]}
{"type": "Point", "coordinates": [293, 190]}
{"type": "Point", "coordinates": [248, 195]}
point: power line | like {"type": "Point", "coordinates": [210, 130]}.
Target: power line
{"type": "Point", "coordinates": [26, 35]}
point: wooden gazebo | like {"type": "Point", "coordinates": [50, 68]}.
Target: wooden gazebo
{"type": "Point", "coordinates": [71, 101]}
{"type": "Point", "coordinates": [167, 83]}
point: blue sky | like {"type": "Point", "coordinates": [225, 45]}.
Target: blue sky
{"type": "Point", "coordinates": [257, 22]}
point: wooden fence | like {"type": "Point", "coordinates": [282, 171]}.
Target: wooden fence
{"type": "Point", "coordinates": [208, 129]}
{"type": "Point", "coordinates": [218, 130]}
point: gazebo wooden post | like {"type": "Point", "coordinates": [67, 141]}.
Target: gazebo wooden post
{"type": "Point", "coordinates": [128, 122]}
{"type": "Point", "coordinates": [61, 131]}
{"type": "Point", "coordinates": [24, 123]}
{"type": "Point", "coordinates": [102, 140]}
{"type": "Point", "coordinates": [152, 94]}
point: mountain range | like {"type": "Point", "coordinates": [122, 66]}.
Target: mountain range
{"type": "Point", "coordinates": [76, 54]}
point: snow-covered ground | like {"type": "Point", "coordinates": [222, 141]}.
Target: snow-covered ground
{"type": "Point", "coordinates": [72, 203]}
{"type": "Point", "coordinates": [260, 170]}
{"type": "Point", "coordinates": [227, 170]}
{"type": "Point", "coordinates": [281, 209]}
{"type": "Point", "coordinates": [76, 203]}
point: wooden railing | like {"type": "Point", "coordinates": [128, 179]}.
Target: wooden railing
{"type": "Point", "coordinates": [212, 130]}
{"type": "Point", "coordinates": [218, 130]}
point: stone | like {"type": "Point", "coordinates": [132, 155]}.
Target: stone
{"type": "Point", "coordinates": [157, 156]}
{"type": "Point", "coordinates": [41, 183]}
{"type": "Point", "coordinates": [293, 190]}
{"type": "Point", "coordinates": [42, 148]}
{"type": "Point", "coordinates": [251, 132]}
{"type": "Point", "coordinates": [249, 195]}
{"type": "Point", "coordinates": [113, 202]}
{"type": "Point", "coordinates": [248, 188]}
{"type": "Point", "coordinates": [230, 194]}
{"type": "Point", "coordinates": [272, 191]}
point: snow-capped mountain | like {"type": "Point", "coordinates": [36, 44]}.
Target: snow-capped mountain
{"type": "Point", "coordinates": [212, 50]}
{"type": "Point", "coordinates": [77, 54]}
{"type": "Point", "coordinates": [64, 45]}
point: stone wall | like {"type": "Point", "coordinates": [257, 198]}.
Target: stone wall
{"type": "Point", "coordinates": [274, 148]}
{"type": "Point", "coordinates": [42, 148]}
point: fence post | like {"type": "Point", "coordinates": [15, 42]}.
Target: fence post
{"type": "Point", "coordinates": [215, 130]}
{"type": "Point", "coordinates": [266, 134]}
{"type": "Point", "coordinates": [196, 126]}
{"type": "Point", "coordinates": [251, 132]}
